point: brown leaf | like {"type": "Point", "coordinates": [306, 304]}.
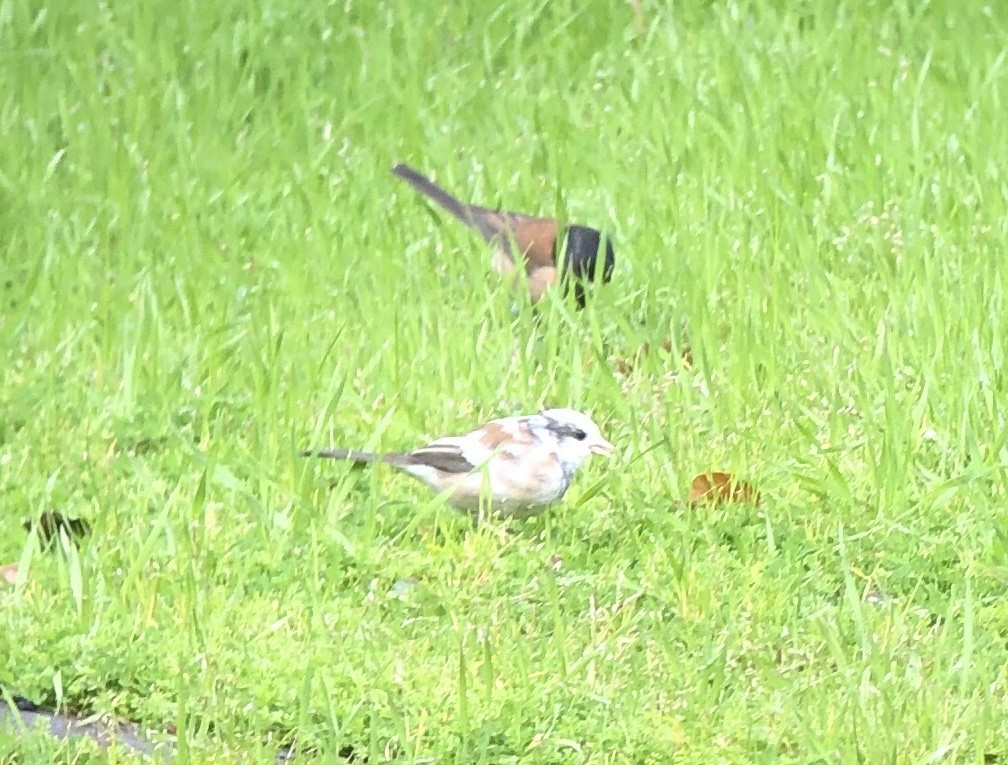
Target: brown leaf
{"type": "Point", "coordinates": [9, 573]}
{"type": "Point", "coordinates": [717, 488]}
{"type": "Point", "coordinates": [623, 366]}
{"type": "Point", "coordinates": [687, 357]}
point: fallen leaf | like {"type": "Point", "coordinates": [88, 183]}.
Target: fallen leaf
{"type": "Point", "coordinates": [9, 573]}
{"type": "Point", "coordinates": [717, 488]}
{"type": "Point", "coordinates": [623, 366]}
{"type": "Point", "coordinates": [687, 357]}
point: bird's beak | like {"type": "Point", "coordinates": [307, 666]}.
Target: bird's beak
{"type": "Point", "coordinates": [603, 447]}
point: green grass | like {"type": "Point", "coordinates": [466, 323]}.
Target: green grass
{"type": "Point", "coordinates": [206, 266]}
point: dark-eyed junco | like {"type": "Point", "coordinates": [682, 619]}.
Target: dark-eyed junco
{"type": "Point", "coordinates": [50, 526]}
{"type": "Point", "coordinates": [520, 464]}
{"type": "Point", "coordinates": [515, 236]}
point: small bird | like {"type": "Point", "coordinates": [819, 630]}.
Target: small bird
{"type": "Point", "coordinates": [514, 235]}
{"type": "Point", "coordinates": [51, 526]}
{"type": "Point", "coordinates": [520, 464]}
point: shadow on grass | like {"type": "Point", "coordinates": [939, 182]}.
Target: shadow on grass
{"type": "Point", "coordinates": [23, 716]}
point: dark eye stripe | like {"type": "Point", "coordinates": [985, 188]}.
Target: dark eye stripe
{"type": "Point", "coordinates": [563, 430]}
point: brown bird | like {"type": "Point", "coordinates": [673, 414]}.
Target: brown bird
{"type": "Point", "coordinates": [515, 236]}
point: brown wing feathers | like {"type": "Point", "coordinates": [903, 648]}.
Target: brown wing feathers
{"type": "Point", "coordinates": [448, 459]}
{"type": "Point", "coordinates": [536, 240]}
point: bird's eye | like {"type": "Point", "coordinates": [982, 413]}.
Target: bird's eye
{"type": "Point", "coordinates": [579, 434]}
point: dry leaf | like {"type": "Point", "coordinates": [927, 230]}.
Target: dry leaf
{"type": "Point", "coordinates": [718, 488]}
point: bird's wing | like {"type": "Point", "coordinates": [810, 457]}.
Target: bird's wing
{"type": "Point", "coordinates": [446, 455]}
{"type": "Point", "coordinates": [463, 454]}
{"type": "Point", "coordinates": [531, 237]}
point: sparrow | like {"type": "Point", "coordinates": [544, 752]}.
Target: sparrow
{"type": "Point", "coordinates": [521, 465]}
{"type": "Point", "coordinates": [514, 236]}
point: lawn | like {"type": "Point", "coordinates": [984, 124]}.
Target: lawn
{"type": "Point", "coordinates": [207, 267]}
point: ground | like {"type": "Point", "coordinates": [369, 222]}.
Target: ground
{"type": "Point", "coordinates": [207, 267]}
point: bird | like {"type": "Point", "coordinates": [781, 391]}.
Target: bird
{"type": "Point", "coordinates": [50, 526]}
{"type": "Point", "coordinates": [520, 465]}
{"type": "Point", "coordinates": [514, 236]}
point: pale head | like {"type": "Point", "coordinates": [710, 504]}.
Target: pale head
{"type": "Point", "coordinates": [576, 435]}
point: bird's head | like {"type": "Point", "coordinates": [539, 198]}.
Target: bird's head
{"type": "Point", "coordinates": [581, 259]}
{"type": "Point", "coordinates": [575, 435]}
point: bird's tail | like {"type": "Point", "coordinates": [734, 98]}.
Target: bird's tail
{"type": "Point", "coordinates": [428, 188]}
{"type": "Point", "coordinates": [360, 458]}
{"type": "Point", "coordinates": [356, 457]}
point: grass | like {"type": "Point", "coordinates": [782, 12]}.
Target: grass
{"type": "Point", "coordinates": [206, 267]}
